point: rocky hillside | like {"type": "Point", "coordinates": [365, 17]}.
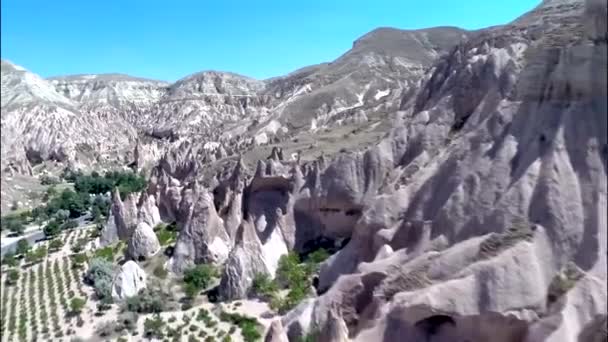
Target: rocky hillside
{"type": "Point", "coordinates": [479, 217]}
{"type": "Point", "coordinates": [39, 124]}
{"type": "Point", "coordinates": [247, 111]}
{"type": "Point", "coordinates": [460, 189]}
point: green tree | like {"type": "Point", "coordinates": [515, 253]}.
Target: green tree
{"type": "Point", "coordinates": [69, 224]}
{"type": "Point", "coordinates": [15, 225]}
{"type": "Point", "coordinates": [52, 228]}
{"type": "Point", "coordinates": [23, 246]}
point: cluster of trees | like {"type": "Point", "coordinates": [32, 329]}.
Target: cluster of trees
{"type": "Point", "coordinates": [16, 222]}
{"type": "Point", "coordinates": [61, 207]}
{"type": "Point", "coordinates": [126, 182]}
{"type": "Point", "coordinates": [292, 274]}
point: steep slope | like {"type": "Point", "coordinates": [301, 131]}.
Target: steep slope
{"type": "Point", "coordinates": [382, 63]}
{"type": "Point", "coordinates": [497, 228]}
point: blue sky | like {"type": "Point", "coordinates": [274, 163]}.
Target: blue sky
{"type": "Point", "coordinates": [168, 40]}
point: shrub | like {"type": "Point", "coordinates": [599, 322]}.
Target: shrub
{"type": "Point", "coordinates": [101, 306]}
{"type": "Point", "coordinates": [10, 260]}
{"type": "Point", "coordinates": [250, 328]}
{"type": "Point", "coordinates": [128, 321]}
{"type": "Point", "coordinates": [263, 286]}
{"type": "Point", "coordinates": [22, 247]}
{"type": "Point", "coordinates": [69, 224]}
{"type": "Point", "coordinates": [55, 245]}
{"type": "Point", "coordinates": [79, 322]}
{"type": "Point", "coordinates": [317, 256]}
{"type": "Point", "coordinates": [76, 305]}
{"type": "Point", "coordinates": [99, 275]}
{"type": "Point", "coordinates": [289, 270]}
{"type": "Point", "coordinates": [48, 180]}
{"type": "Point", "coordinates": [153, 327]}
{"type": "Point", "coordinates": [14, 224]}
{"type": "Point", "coordinates": [186, 306]}
{"type": "Point", "coordinates": [70, 175]}
{"type": "Point", "coordinates": [106, 253]}
{"type": "Point", "coordinates": [199, 277]}
{"type": "Point", "coordinates": [12, 277]}
{"type": "Point", "coordinates": [78, 259]}
{"type": "Point", "coordinates": [191, 290]}
{"type": "Point", "coordinates": [148, 301]}
{"type": "Point", "coordinates": [106, 329]}
{"type": "Point", "coordinates": [160, 272]}
{"type": "Point", "coordinates": [79, 245]}
{"type": "Point", "coordinates": [52, 228]}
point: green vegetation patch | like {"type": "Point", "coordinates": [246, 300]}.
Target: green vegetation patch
{"type": "Point", "coordinates": [563, 282]}
{"type": "Point", "coordinates": [166, 234]}
{"type": "Point", "coordinates": [250, 327]}
{"type": "Point", "coordinates": [291, 274]}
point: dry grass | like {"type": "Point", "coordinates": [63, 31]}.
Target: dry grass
{"type": "Point", "coordinates": [499, 242]}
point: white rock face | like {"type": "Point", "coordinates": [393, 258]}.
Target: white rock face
{"type": "Point", "coordinates": [148, 210]}
{"type": "Point", "coordinates": [203, 237]}
{"type": "Point", "coordinates": [143, 243]}
{"type": "Point", "coordinates": [275, 333]}
{"type": "Point", "coordinates": [128, 281]}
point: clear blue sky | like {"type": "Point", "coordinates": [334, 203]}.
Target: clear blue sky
{"type": "Point", "coordinates": [168, 40]}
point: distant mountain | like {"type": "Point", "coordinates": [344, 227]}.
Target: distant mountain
{"type": "Point", "coordinates": [380, 66]}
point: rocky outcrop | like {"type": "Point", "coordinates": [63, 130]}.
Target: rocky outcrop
{"type": "Point", "coordinates": [143, 242]}
{"type": "Point", "coordinates": [276, 333]}
{"type": "Point", "coordinates": [335, 330]}
{"type": "Point", "coordinates": [123, 218]}
{"type": "Point", "coordinates": [495, 138]}
{"type": "Point", "coordinates": [244, 263]}
{"type": "Point", "coordinates": [148, 210]}
{"type": "Point", "coordinates": [202, 238]}
{"type": "Point", "coordinates": [109, 233]}
{"type": "Point", "coordinates": [128, 281]}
